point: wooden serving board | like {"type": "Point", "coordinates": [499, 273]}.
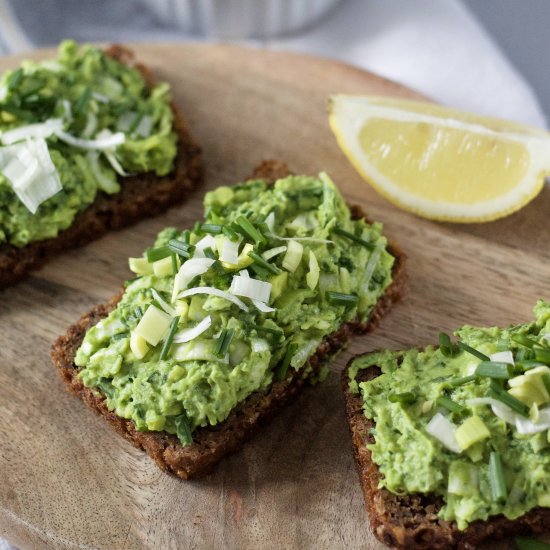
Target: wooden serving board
{"type": "Point", "coordinates": [68, 481]}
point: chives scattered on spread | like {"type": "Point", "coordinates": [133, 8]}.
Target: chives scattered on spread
{"type": "Point", "coordinates": [542, 355]}
{"type": "Point", "coordinates": [461, 381]}
{"type": "Point", "coordinates": [448, 349]}
{"type": "Point", "coordinates": [498, 392]}
{"type": "Point", "coordinates": [211, 228]}
{"type": "Point", "coordinates": [405, 397]}
{"type": "Point", "coordinates": [472, 351]}
{"type": "Point", "coordinates": [181, 248]}
{"type": "Point", "coordinates": [245, 228]}
{"type": "Point", "coordinates": [174, 263]}
{"type": "Point", "coordinates": [526, 365]}
{"type": "Point", "coordinates": [155, 254]}
{"type": "Point", "coordinates": [168, 342]}
{"type": "Point", "coordinates": [209, 253]}
{"type": "Point", "coordinates": [183, 429]}
{"type": "Point", "coordinates": [449, 404]}
{"type": "Point", "coordinates": [546, 382]}
{"type": "Point", "coordinates": [496, 477]}
{"type": "Point", "coordinates": [340, 299]}
{"type": "Point", "coordinates": [224, 340]}
{"type": "Point", "coordinates": [263, 263]}
{"type": "Point", "coordinates": [492, 369]}
{"type": "Point", "coordinates": [283, 367]}
{"type": "Point", "coordinates": [229, 233]}
{"type": "Point", "coordinates": [15, 79]}
{"type": "Point", "coordinates": [82, 102]}
{"type": "Point", "coordinates": [523, 339]}
{"type": "Point", "coordinates": [353, 238]}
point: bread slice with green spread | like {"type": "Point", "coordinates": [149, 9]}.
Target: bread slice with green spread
{"type": "Point", "coordinates": [228, 320]}
{"type": "Point", "coordinates": [452, 444]}
{"type": "Point", "coordinates": [88, 143]}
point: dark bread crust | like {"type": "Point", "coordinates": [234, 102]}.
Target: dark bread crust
{"type": "Point", "coordinates": [141, 196]}
{"type": "Point", "coordinates": [411, 521]}
{"type": "Point", "coordinates": [212, 443]}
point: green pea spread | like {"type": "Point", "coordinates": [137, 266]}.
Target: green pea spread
{"type": "Point", "coordinates": [295, 238]}
{"type": "Point", "coordinates": [89, 93]}
{"type": "Point", "coordinates": [498, 461]}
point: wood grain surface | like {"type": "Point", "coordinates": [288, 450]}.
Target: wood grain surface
{"type": "Point", "coordinates": [68, 481]}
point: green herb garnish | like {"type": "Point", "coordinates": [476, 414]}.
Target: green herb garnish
{"type": "Point", "coordinates": [472, 351]}
{"type": "Point", "coordinates": [263, 263]}
{"type": "Point", "coordinates": [495, 369]}
{"type": "Point", "coordinates": [449, 404]}
{"type": "Point", "coordinates": [500, 394]}
{"type": "Point", "coordinates": [155, 254]}
{"type": "Point", "coordinates": [405, 397]}
{"type": "Point", "coordinates": [496, 477]}
{"type": "Point", "coordinates": [340, 299]}
{"type": "Point", "coordinates": [353, 238]}
{"type": "Point", "coordinates": [224, 340]}
{"type": "Point", "coordinates": [183, 429]}
{"type": "Point", "coordinates": [168, 342]}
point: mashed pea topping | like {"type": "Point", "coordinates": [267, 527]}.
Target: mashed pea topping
{"type": "Point", "coordinates": [468, 421]}
{"type": "Point", "coordinates": [226, 308]}
{"type": "Point", "coordinates": [68, 127]}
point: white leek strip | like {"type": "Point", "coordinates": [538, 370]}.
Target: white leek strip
{"type": "Point", "coordinates": [270, 220]}
{"type": "Point", "coordinates": [188, 271]}
{"type": "Point", "coordinates": [293, 256]}
{"type": "Point", "coordinates": [113, 161]}
{"type": "Point", "coordinates": [164, 305]}
{"type": "Point", "coordinates": [443, 430]}
{"type": "Point", "coordinates": [101, 143]}
{"type": "Point", "coordinates": [189, 334]}
{"type": "Point", "coordinates": [207, 241]}
{"type": "Point", "coordinates": [264, 308]}
{"type": "Point", "coordinates": [499, 409]}
{"type": "Point", "coordinates": [100, 97]}
{"type": "Point", "coordinates": [303, 354]}
{"type": "Point", "coordinates": [214, 292]}
{"type": "Point", "coordinates": [145, 126]}
{"type": "Point", "coordinates": [229, 251]}
{"type": "Point", "coordinates": [259, 345]}
{"type": "Point", "coordinates": [526, 426]}
{"type": "Point", "coordinates": [304, 221]}
{"type": "Point", "coordinates": [250, 288]}
{"type": "Point", "coordinates": [104, 182]}
{"type": "Point", "coordinates": [91, 125]}
{"type": "Point", "coordinates": [30, 171]}
{"type": "Point", "coordinates": [272, 252]}
{"type": "Point", "coordinates": [38, 130]}
{"type": "Point", "coordinates": [503, 357]}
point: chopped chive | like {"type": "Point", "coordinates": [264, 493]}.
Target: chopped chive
{"type": "Point", "coordinates": [82, 101]}
{"type": "Point", "coordinates": [212, 228]}
{"type": "Point", "coordinates": [245, 228]}
{"type": "Point", "coordinates": [448, 349]}
{"type": "Point", "coordinates": [197, 228]}
{"type": "Point", "coordinates": [174, 263]}
{"type": "Point", "coordinates": [494, 369]}
{"type": "Point", "coordinates": [168, 342]}
{"type": "Point", "coordinates": [138, 312]}
{"type": "Point", "coordinates": [524, 543]}
{"type": "Point", "coordinates": [17, 112]}
{"type": "Point", "coordinates": [186, 236]}
{"type": "Point", "coordinates": [224, 340]}
{"type": "Point", "coordinates": [496, 477]}
{"type": "Point", "coordinates": [542, 355]}
{"type": "Point", "coordinates": [209, 253]}
{"type": "Point", "coordinates": [461, 381]}
{"type": "Point", "coordinates": [340, 299]}
{"type": "Point", "coordinates": [546, 382]}
{"type": "Point", "coordinates": [499, 393]}
{"type": "Point", "coordinates": [523, 340]}
{"type": "Point", "coordinates": [155, 254]}
{"type": "Point", "coordinates": [353, 238]}
{"type": "Point", "coordinates": [274, 332]}
{"type": "Point", "coordinates": [264, 228]}
{"type": "Point", "coordinates": [229, 233]}
{"type": "Point", "coordinates": [281, 371]}
{"type": "Point", "coordinates": [260, 271]}
{"type": "Point", "coordinates": [524, 354]}
{"type": "Point", "coordinates": [180, 248]}
{"type": "Point", "coordinates": [405, 397]}
{"type": "Point", "coordinates": [472, 351]}
{"type": "Point", "coordinates": [263, 263]}
{"type": "Point", "coordinates": [183, 429]}
{"type": "Point", "coordinates": [15, 79]}
{"type": "Point", "coordinates": [136, 122]}
{"type": "Point", "coordinates": [449, 404]}
{"type": "Point", "coordinates": [522, 366]}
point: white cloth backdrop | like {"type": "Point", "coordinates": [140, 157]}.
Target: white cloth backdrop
{"type": "Point", "coordinates": [434, 46]}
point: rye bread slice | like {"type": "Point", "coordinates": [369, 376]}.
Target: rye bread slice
{"type": "Point", "coordinates": [212, 443]}
{"type": "Point", "coordinates": [412, 521]}
{"type": "Point", "coordinates": [141, 196]}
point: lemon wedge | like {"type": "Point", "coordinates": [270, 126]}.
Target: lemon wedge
{"type": "Point", "coordinates": [441, 163]}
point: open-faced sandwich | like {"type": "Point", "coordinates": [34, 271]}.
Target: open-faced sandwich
{"type": "Point", "coordinates": [452, 444]}
{"type": "Point", "coordinates": [88, 143]}
{"type": "Point", "coordinates": [227, 320]}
